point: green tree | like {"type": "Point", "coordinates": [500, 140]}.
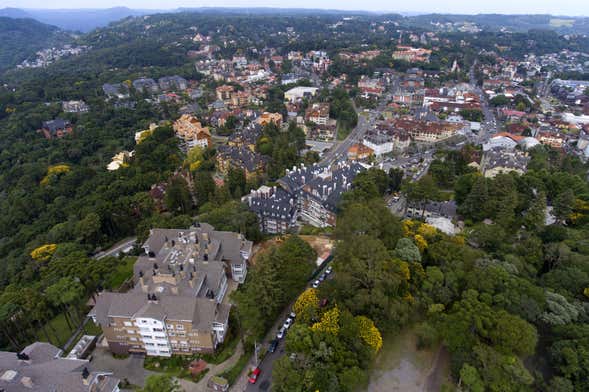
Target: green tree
{"type": "Point", "coordinates": [161, 383]}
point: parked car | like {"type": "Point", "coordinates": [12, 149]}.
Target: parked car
{"type": "Point", "coordinates": [287, 323]}
{"type": "Point", "coordinates": [253, 377]}
{"type": "Point", "coordinates": [292, 315]}
{"type": "Point", "coordinates": [322, 277]}
{"type": "Point", "coordinates": [273, 345]}
{"type": "Point", "coordinates": [316, 284]}
{"type": "Point", "coordinates": [329, 269]}
{"type": "Point", "coordinates": [280, 333]}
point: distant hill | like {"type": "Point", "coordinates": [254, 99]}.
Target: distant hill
{"type": "Point", "coordinates": [21, 38]}
{"type": "Point", "coordinates": [83, 20]}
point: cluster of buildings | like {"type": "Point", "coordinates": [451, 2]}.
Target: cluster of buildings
{"type": "Point", "coordinates": [56, 128]}
{"type": "Point", "coordinates": [411, 54]}
{"type": "Point", "coordinates": [45, 57]}
{"type": "Point", "coordinates": [177, 305]}
{"type": "Point", "coordinates": [307, 193]}
{"type": "Point", "coordinates": [191, 132]}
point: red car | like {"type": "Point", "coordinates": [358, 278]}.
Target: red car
{"type": "Point", "coordinates": [254, 375]}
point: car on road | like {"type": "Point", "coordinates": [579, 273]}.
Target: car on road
{"type": "Point", "coordinates": [280, 333]}
{"type": "Point", "coordinates": [292, 315]}
{"type": "Point", "coordinates": [322, 277]}
{"type": "Point", "coordinates": [315, 284]}
{"type": "Point", "coordinates": [329, 269]}
{"type": "Point", "coordinates": [287, 323]}
{"type": "Point", "coordinates": [273, 345]}
{"type": "Point", "coordinates": [253, 377]}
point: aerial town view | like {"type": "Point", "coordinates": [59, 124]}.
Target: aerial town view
{"type": "Point", "coordinates": [254, 196]}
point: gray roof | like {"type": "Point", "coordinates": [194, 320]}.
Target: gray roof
{"type": "Point", "coordinates": [46, 371]}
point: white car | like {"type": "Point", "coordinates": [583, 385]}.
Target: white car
{"type": "Point", "coordinates": [287, 323]}
{"type": "Point", "coordinates": [315, 284]}
{"type": "Point", "coordinates": [292, 315]}
{"type": "Point", "coordinates": [329, 269]}
{"type": "Point", "coordinates": [280, 333]}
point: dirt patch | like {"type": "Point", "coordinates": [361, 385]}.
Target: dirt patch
{"type": "Point", "coordinates": [401, 367]}
{"type": "Point", "coordinates": [322, 245]}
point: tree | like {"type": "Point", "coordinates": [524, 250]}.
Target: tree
{"type": "Point", "coordinates": [422, 191]}
{"type": "Point", "coordinates": [306, 305]}
{"type": "Point", "coordinates": [178, 196]}
{"type": "Point", "coordinates": [161, 383]}
{"type": "Point", "coordinates": [563, 205]}
{"type": "Point", "coordinates": [469, 376]}
{"type": "Point", "coordinates": [395, 179]}
{"type": "Point", "coordinates": [407, 250]}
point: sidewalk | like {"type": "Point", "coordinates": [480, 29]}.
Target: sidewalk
{"type": "Point", "coordinates": [214, 370]}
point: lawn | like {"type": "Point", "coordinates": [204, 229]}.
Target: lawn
{"type": "Point", "coordinates": [59, 325]}
{"type": "Point", "coordinates": [175, 366]}
{"type": "Point", "coordinates": [123, 272]}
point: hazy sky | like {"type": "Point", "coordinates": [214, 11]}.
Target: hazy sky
{"type": "Point", "coordinates": [557, 7]}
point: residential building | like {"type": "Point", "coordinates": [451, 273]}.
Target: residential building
{"type": "Point", "coordinates": [191, 131]}
{"type": "Point", "coordinates": [268, 118]}
{"type": "Point", "coordinates": [318, 113]}
{"type": "Point", "coordinates": [224, 92]}
{"type": "Point", "coordinates": [146, 85]}
{"type": "Point", "coordinates": [310, 194]}
{"type": "Point", "coordinates": [57, 128]}
{"type": "Point", "coordinates": [75, 107]}
{"type": "Point", "coordinates": [428, 131]}
{"type": "Point", "coordinates": [298, 93]}
{"type": "Point", "coordinates": [118, 90]}
{"type": "Point", "coordinates": [120, 160]}
{"type": "Point", "coordinates": [176, 306]}
{"type": "Point", "coordinates": [39, 367]}
{"type": "Point", "coordinates": [175, 82]}
{"type": "Point", "coordinates": [378, 142]}
{"type": "Point", "coordinates": [242, 158]}
{"type": "Point", "coordinates": [552, 139]}
{"type": "Point", "coordinates": [411, 54]}
{"type": "Point", "coordinates": [359, 152]}
{"type": "Point", "coordinates": [503, 161]}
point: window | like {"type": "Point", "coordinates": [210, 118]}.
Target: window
{"type": "Point", "coordinates": [158, 330]}
{"type": "Point", "coordinates": [130, 331]}
{"type": "Point", "coordinates": [146, 336]}
{"type": "Point", "coordinates": [162, 345]}
{"type": "Point", "coordinates": [180, 327]}
{"type": "Point", "coordinates": [170, 326]}
{"type": "Point", "coordinates": [128, 324]}
{"type": "Point", "coordinates": [149, 344]}
{"type": "Point", "coordinates": [133, 339]}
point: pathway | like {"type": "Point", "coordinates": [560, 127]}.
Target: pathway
{"type": "Point", "coordinates": [214, 370]}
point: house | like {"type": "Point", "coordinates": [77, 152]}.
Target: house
{"type": "Point", "coordinates": [243, 158]}
{"type": "Point", "coordinates": [57, 128]}
{"type": "Point", "coordinates": [432, 209]}
{"type": "Point", "coordinates": [370, 87]}
{"type": "Point", "coordinates": [310, 194]}
{"type": "Point", "coordinates": [268, 118]}
{"type": "Point", "coordinates": [246, 137]}
{"type": "Point", "coordinates": [120, 160]}
{"type": "Point", "coordinates": [176, 306]}
{"type": "Point", "coordinates": [191, 131]}
{"type": "Point", "coordinates": [497, 161]}
{"type": "Point", "coordinates": [40, 367]}
{"type": "Point", "coordinates": [359, 152]}
{"type": "Point", "coordinates": [168, 83]}
{"type": "Point", "coordinates": [298, 93]}
{"type": "Point", "coordinates": [75, 107]}
{"type": "Point", "coordinates": [146, 85]}
{"type": "Point", "coordinates": [428, 131]}
{"type": "Point", "coordinates": [502, 140]}
{"type": "Point", "coordinates": [318, 113]}
{"type": "Point", "coordinates": [118, 90]}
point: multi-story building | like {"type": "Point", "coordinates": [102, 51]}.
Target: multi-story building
{"type": "Point", "coordinates": [428, 131]}
{"type": "Point", "coordinates": [268, 118]}
{"type": "Point", "coordinates": [552, 139]}
{"type": "Point", "coordinates": [146, 85]}
{"type": "Point", "coordinates": [175, 82]}
{"type": "Point", "coordinates": [176, 306]}
{"type": "Point", "coordinates": [411, 54]}
{"type": "Point", "coordinates": [309, 193]}
{"type": "Point", "coordinates": [318, 113]}
{"type": "Point", "coordinates": [380, 143]}
{"type": "Point", "coordinates": [191, 131]}
{"type": "Point", "coordinates": [40, 367]}
{"type": "Point", "coordinates": [242, 158]}
{"type": "Point", "coordinates": [224, 92]}
{"type": "Point", "coordinates": [497, 161]}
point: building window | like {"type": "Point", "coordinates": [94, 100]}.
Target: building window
{"type": "Point", "coordinates": [128, 324]}
{"type": "Point", "coordinates": [170, 326]}
{"type": "Point", "coordinates": [149, 344]}
{"type": "Point", "coordinates": [158, 330]}
{"type": "Point", "coordinates": [180, 327]}
{"type": "Point", "coordinates": [133, 339]}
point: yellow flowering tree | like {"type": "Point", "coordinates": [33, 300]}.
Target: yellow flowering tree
{"type": "Point", "coordinates": [329, 322]}
{"type": "Point", "coordinates": [420, 242]}
{"type": "Point", "coordinates": [53, 172]}
{"type": "Point", "coordinates": [427, 231]}
{"type": "Point", "coordinates": [43, 252]}
{"type": "Point", "coordinates": [306, 305]}
{"type": "Point", "coordinates": [369, 333]}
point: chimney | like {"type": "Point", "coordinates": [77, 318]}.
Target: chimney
{"type": "Point", "coordinates": [86, 376]}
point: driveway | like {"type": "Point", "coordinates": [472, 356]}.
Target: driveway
{"type": "Point", "coordinates": [130, 368]}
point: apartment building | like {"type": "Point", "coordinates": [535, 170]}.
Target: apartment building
{"type": "Point", "coordinates": [176, 305]}
{"type": "Point", "coordinates": [318, 113]}
{"type": "Point", "coordinates": [310, 194]}
{"type": "Point", "coordinates": [189, 129]}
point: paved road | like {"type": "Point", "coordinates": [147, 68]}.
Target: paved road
{"type": "Point", "coordinates": [117, 248]}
